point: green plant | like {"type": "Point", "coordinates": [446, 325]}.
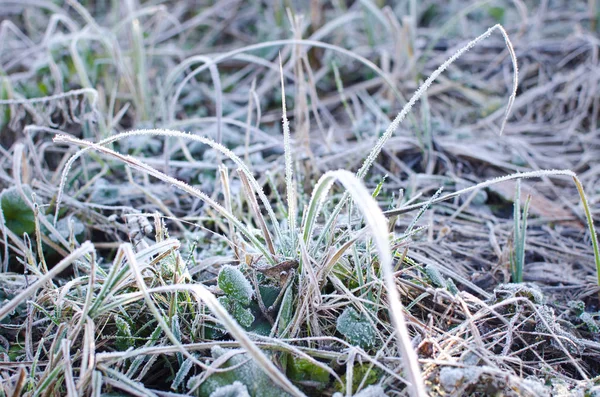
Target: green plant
{"type": "Point", "coordinates": [361, 375]}
{"type": "Point", "coordinates": [109, 327]}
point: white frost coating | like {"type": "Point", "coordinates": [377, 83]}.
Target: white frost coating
{"type": "Point", "coordinates": [232, 281]}
{"type": "Point", "coordinates": [289, 175]}
{"type": "Point", "coordinates": [236, 389]}
{"type": "Point", "coordinates": [356, 328]}
{"type": "Point", "coordinates": [139, 165]}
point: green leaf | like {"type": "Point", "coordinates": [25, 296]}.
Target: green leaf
{"type": "Point", "coordinates": [242, 315]}
{"type": "Point", "coordinates": [235, 285]}
{"type": "Point", "coordinates": [435, 276]}
{"type": "Point", "coordinates": [18, 216]}
{"type": "Point", "coordinates": [303, 370]}
{"type": "Point", "coordinates": [182, 373]}
{"type": "Point", "coordinates": [356, 328]}
{"type": "Point", "coordinates": [379, 186]}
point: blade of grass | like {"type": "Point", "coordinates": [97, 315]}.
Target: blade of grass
{"type": "Point", "coordinates": [289, 173]}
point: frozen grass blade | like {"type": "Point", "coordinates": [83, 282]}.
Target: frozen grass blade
{"type": "Point", "coordinates": [520, 235]}
{"type": "Point", "coordinates": [260, 221]}
{"type": "Point", "coordinates": [289, 173]}
{"type": "Point", "coordinates": [419, 93]}
{"type": "Point", "coordinates": [590, 222]}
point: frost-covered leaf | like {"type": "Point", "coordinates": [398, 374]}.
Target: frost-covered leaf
{"type": "Point", "coordinates": [589, 321]}
{"type": "Point", "coordinates": [356, 328]}
{"type": "Point", "coordinates": [182, 373]}
{"type": "Point", "coordinates": [451, 287]}
{"type": "Point", "coordinates": [435, 276]}
{"type": "Point", "coordinates": [64, 227]}
{"type": "Point", "coordinates": [241, 314]}
{"type": "Point", "coordinates": [235, 285]}
{"type": "Point", "coordinates": [245, 371]}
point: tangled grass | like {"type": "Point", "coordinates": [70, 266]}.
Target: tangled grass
{"type": "Point", "coordinates": [136, 262]}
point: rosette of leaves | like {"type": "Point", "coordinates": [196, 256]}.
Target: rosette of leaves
{"type": "Point", "coordinates": [356, 328]}
{"type": "Point", "coordinates": [238, 294]}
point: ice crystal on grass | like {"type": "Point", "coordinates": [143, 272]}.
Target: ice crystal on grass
{"type": "Point", "coordinates": [124, 337]}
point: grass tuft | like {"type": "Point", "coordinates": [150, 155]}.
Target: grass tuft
{"type": "Point", "coordinates": [272, 249]}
